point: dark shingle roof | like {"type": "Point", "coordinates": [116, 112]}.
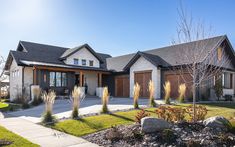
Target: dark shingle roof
{"type": "Point", "coordinates": [169, 54]}
{"type": "Point", "coordinates": [46, 54]}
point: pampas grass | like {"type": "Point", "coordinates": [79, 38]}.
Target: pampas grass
{"type": "Point", "coordinates": [105, 99]}
{"type": "Point", "coordinates": [136, 94]}
{"type": "Point", "coordinates": [49, 99]}
{"type": "Point", "coordinates": [167, 89]}
{"type": "Point", "coordinates": [181, 90]}
{"type": "Point", "coordinates": [151, 89]}
{"type": "Point", "coordinates": [77, 96]}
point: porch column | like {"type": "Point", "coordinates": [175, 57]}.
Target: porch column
{"type": "Point", "coordinates": [34, 75]}
{"type": "Point", "coordinates": [100, 80]}
{"type": "Point", "coordinates": [80, 78]}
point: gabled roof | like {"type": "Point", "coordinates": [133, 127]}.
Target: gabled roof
{"type": "Point", "coordinates": [169, 54]}
{"type": "Point", "coordinates": [71, 51]}
{"type": "Point", "coordinates": [35, 52]}
{"type": "Point", "coordinates": [154, 59]}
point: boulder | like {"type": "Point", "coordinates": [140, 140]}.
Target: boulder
{"type": "Point", "coordinates": [151, 124]}
{"type": "Point", "coordinates": [217, 122]}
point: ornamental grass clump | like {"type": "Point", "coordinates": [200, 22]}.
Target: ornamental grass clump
{"type": "Point", "coordinates": [167, 89]}
{"type": "Point", "coordinates": [36, 96]}
{"type": "Point", "coordinates": [77, 96]}
{"type": "Point", "coordinates": [105, 99]}
{"type": "Point", "coordinates": [136, 94]}
{"type": "Point", "coordinates": [49, 99]}
{"type": "Point", "coordinates": [181, 90]}
{"type": "Point", "coordinates": [151, 89]}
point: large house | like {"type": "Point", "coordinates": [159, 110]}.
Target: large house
{"type": "Point", "coordinates": [60, 69]}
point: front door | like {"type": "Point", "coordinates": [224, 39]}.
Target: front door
{"type": "Point", "coordinates": [77, 79]}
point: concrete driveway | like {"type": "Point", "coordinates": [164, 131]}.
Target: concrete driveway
{"type": "Point", "coordinates": [62, 108]}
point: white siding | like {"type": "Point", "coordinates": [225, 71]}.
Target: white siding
{"type": "Point", "coordinates": [83, 54]}
{"type": "Point", "coordinates": [15, 81]}
{"type": "Point", "coordinates": [91, 80]}
{"type": "Point", "coordinates": [28, 79]}
{"type": "Point", "coordinates": [141, 65]}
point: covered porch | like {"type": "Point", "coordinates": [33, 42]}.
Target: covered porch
{"type": "Point", "coordinates": [63, 80]}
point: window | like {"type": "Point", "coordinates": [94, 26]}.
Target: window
{"type": "Point", "coordinates": [52, 78]}
{"type": "Point", "coordinates": [83, 61]}
{"type": "Point", "coordinates": [58, 79]}
{"type": "Point", "coordinates": [227, 80]}
{"type": "Point", "coordinates": [219, 53]}
{"type": "Point", "coordinates": [64, 79]}
{"type": "Point", "coordinates": [91, 63]}
{"type": "Point", "coordinates": [75, 61]}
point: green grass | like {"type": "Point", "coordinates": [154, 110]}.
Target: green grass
{"type": "Point", "coordinates": [3, 105]}
{"type": "Point", "coordinates": [93, 124]}
{"type": "Point", "coordinates": [16, 139]}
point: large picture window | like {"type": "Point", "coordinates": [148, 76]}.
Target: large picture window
{"type": "Point", "coordinates": [58, 79]}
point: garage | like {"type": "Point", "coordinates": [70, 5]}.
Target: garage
{"type": "Point", "coordinates": [122, 86]}
{"type": "Point", "coordinates": [176, 80]}
{"type": "Point", "coordinates": [143, 78]}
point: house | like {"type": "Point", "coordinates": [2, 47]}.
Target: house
{"type": "Point", "coordinates": [60, 69]}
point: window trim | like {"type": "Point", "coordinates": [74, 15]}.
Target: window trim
{"type": "Point", "coordinates": [75, 60]}
{"type": "Point", "coordinates": [91, 61]}
{"type": "Point", "coordinates": [62, 83]}
{"type": "Point", "coordinates": [83, 62]}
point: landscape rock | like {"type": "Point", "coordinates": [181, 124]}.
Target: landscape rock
{"type": "Point", "coordinates": [151, 124]}
{"type": "Point", "coordinates": [217, 122]}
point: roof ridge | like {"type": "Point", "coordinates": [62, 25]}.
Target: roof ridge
{"type": "Point", "coordinates": [21, 41]}
{"type": "Point", "coordinates": [148, 50]}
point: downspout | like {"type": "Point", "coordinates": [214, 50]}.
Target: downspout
{"type": "Point", "coordinates": [23, 80]}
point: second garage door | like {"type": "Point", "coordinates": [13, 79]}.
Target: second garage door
{"type": "Point", "coordinates": [143, 78]}
{"type": "Point", "coordinates": [176, 80]}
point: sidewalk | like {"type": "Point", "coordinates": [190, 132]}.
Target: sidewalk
{"type": "Point", "coordinates": [41, 135]}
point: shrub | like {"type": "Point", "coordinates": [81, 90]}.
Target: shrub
{"type": "Point", "coordinates": [141, 114]}
{"type": "Point", "coordinates": [25, 106]}
{"type": "Point", "coordinates": [200, 112]}
{"type": "Point", "coordinates": [181, 90]}
{"type": "Point", "coordinates": [218, 88]}
{"type": "Point", "coordinates": [167, 89]}
{"type": "Point", "coordinates": [105, 98]}
{"type": "Point", "coordinates": [136, 94]}
{"type": "Point", "coordinates": [49, 99]}
{"type": "Point", "coordinates": [77, 96]}
{"type": "Point", "coordinates": [151, 89]}
{"type": "Point", "coordinates": [171, 114]}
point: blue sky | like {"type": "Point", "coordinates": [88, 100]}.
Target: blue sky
{"type": "Point", "coordinates": [115, 27]}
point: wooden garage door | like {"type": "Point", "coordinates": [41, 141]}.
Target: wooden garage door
{"type": "Point", "coordinates": [122, 86]}
{"type": "Point", "coordinates": [143, 78]}
{"type": "Point", "coordinates": [176, 80]}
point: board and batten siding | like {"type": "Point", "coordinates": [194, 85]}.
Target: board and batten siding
{"type": "Point", "coordinates": [83, 54]}
{"type": "Point", "coordinates": [16, 81]}
{"type": "Point", "coordinates": [144, 65]}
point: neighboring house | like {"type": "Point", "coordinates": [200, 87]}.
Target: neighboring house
{"type": "Point", "coordinates": [61, 69]}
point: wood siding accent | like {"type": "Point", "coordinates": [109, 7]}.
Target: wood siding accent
{"type": "Point", "coordinates": [143, 78]}
{"type": "Point", "coordinates": [176, 80]}
{"type": "Point", "coordinates": [122, 86]}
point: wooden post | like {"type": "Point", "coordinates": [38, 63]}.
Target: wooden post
{"type": "Point", "coordinates": [34, 76]}
{"type": "Point", "coordinates": [100, 80]}
{"type": "Point", "coordinates": [80, 79]}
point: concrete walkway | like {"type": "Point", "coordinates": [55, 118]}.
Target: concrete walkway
{"type": "Point", "coordinates": [41, 135]}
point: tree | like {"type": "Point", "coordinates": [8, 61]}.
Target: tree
{"type": "Point", "coordinates": [2, 76]}
{"type": "Point", "coordinates": [218, 88]}
{"type": "Point", "coordinates": [199, 60]}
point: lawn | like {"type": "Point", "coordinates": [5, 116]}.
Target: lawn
{"type": "Point", "coordinates": [16, 139]}
{"type": "Point", "coordinates": [3, 105]}
{"type": "Point", "coordinates": [93, 124]}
